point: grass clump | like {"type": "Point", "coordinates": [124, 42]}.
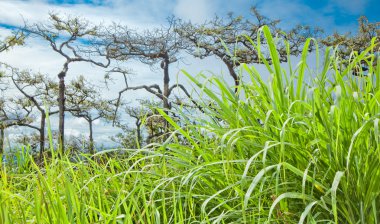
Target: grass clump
{"type": "Point", "coordinates": [303, 148]}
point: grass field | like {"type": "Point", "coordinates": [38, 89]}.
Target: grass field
{"type": "Point", "coordinates": [303, 148]}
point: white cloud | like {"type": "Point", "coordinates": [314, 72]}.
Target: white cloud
{"type": "Point", "coordinates": [196, 11]}
{"type": "Point", "coordinates": [73, 132]}
{"type": "Point", "coordinates": [97, 122]}
{"type": "Point", "coordinates": [134, 14]}
{"type": "Point", "coordinates": [35, 55]}
{"type": "Point", "coordinates": [78, 121]}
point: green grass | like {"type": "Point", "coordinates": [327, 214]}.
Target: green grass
{"type": "Point", "coordinates": [303, 148]}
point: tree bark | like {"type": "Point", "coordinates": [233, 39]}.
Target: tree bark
{"type": "Point", "coordinates": [2, 136]}
{"type": "Point", "coordinates": [42, 134]}
{"type": "Point", "coordinates": [61, 106]}
{"type": "Point", "coordinates": [138, 130]}
{"type": "Point", "coordinates": [166, 83]}
{"type": "Point", "coordinates": [92, 150]}
{"type": "Point", "coordinates": [61, 102]}
{"type": "Point", "coordinates": [233, 74]}
{"type": "Point", "coordinates": [166, 91]}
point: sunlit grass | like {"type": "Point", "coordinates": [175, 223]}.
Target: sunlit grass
{"type": "Point", "coordinates": [287, 151]}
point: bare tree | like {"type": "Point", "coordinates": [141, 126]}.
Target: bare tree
{"type": "Point", "coordinates": [16, 39]}
{"type": "Point", "coordinates": [226, 38]}
{"type": "Point", "coordinates": [12, 114]}
{"type": "Point", "coordinates": [154, 123]}
{"type": "Point", "coordinates": [347, 43]}
{"type": "Point", "coordinates": [76, 40]}
{"type": "Point", "coordinates": [147, 122]}
{"type": "Point", "coordinates": [31, 139]}
{"type": "Point", "coordinates": [39, 90]}
{"type": "Point", "coordinates": [138, 113]}
{"type": "Point", "coordinates": [133, 137]}
{"type": "Point", "coordinates": [85, 102]}
{"type": "Point", "coordinates": [157, 47]}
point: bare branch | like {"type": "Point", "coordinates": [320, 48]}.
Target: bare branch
{"type": "Point", "coordinates": [187, 94]}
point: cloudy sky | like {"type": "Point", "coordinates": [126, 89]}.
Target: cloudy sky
{"type": "Point", "coordinates": [331, 15]}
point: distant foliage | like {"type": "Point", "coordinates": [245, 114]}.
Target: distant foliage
{"type": "Point", "coordinates": [348, 45]}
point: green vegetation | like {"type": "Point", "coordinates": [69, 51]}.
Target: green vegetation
{"type": "Point", "coordinates": [302, 148]}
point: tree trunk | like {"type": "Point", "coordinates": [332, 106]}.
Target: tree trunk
{"type": "Point", "coordinates": [61, 106]}
{"type": "Point", "coordinates": [61, 103]}
{"type": "Point", "coordinates": [166, 90]}
{"type": "Point", "coordinates": [42, 134]}
{"type": "Point", "coordinates": [2, 136]}
{"type": "Point", "coordinates": [234, 76]}
{"type": "Point", "coordinates": [232, 72]}
{"type": "Point", "coordinates": [166, 83]}
{"type": "Point", "coordinates": [138, 130]}
{"type": "Point", "coordinates": [92, 150]}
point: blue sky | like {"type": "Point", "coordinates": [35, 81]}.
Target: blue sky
{"type": "Point", "coordinates": [331, 15]}
{"type": "Point", "coordinates": [346, 11]}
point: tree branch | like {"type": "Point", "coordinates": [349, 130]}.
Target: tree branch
{"type": "Point", "coordinates": [187, 94]}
